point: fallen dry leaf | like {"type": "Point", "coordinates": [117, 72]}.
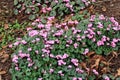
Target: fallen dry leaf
{"type": "Point", "coordinates": [2, 72]}
{"type": "Point", "coordinates": [104, 8]}
{"type": "Point", "coordinates": [97, 59]}
{"type": "Point", "coordinates": [91, 9]}
{"type": "Point", "coordinates": [96, 64]}
{"type": "Point", "coordinates": [3, 56]}
{"type": "Point", "coordinates": [0, 77]}
{"type": "Point", "coordinates": [105, 70]}
{"type": "Point", "coordinates": [83, 65]}
{"type": "Point", "coordinates": [6, 26]}
{"type": "Point", "coordinates": [90, 53]}
{"type": "Point", "coordinates": [118, 73]}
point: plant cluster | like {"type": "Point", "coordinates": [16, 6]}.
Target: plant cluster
{"type": "Point", "coordinates": [9, 34]}
{"type": "Point", "coordinates": [59, 8]}
{"type": "Point", "coordinates": [53, 51]}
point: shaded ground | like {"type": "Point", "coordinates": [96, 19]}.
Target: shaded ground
{"type": "Point", "coordinates": [109, 8]}
{"type": "Point", "coordinates": [106, 7]}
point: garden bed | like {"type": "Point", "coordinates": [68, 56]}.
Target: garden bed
{"type": "Point", "coordinates": [111, 61]}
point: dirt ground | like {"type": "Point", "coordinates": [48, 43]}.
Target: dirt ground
{"type": "Point", "coordinates": [106, 7]}
{"type": "Point", "coordinates": [109, 8]}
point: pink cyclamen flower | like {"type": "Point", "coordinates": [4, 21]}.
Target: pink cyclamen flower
{"type": "Point", "coordinates": [74, 61]}
{"type": "Point", "coordinates": [98, 32]}
{"type": "Point", "coordinates": [29, 28]}
{"type": "Point", "coordinates": [75, 45]}
{"type": "Point", "coordinates": [36, 51]}
{"type": "Point", "coordinates": [79, 70]}
{"type": "Point", "coordinates": [17, 68]}
{"type": "Point", "coordinates": [40, 26]}
{"type": "Point", "coordinates": [59, 56]}
{"type": "Point", "coordinates": [92, 18]}
{"type": "Point", "coordinates": [59, 33]}
{"type": "Point", "coordinates": [23, 42]}
{"type": "Point", "coordinates": [101, 17]}
{"type": "Point", "coordinates": [30, 64]}
{"type": "Point", "coordinates": [37, 39]}
{"type": "Point", "coordinates": [61, 73]}
{"type": "Point", "coordinates": [29, 49]}
{"type": "Point", "coordinates": [115, 40]}
{"type": "Point", "coordinates": [40, 78]}
{"type": "Point", "coordinates": [65, 56]}
{"type": "Point", "coordinates": [100, 25]}
{"type": "Point", "coordinates": [15, 59]}
{"type": "Point", "coordinates": [69, 66]}
{"type": "Point", "coordinates": [90, 25]}
{"type": "Point", "coordinates": [33, 33]}
{"type": "Point", "coordinates": [100, 43]}
{"type": "Point", "coordinates": [61, 62]}
{"type": "Point", "coordinates": [84, 1]}
{"type": "Point", "coordinates": [106, 78]}
{"type": "Point", "coordinates": [90, 36]}
{"type": "Point", "coordinates": [113, 44]}
{"type": "Point", "coordinates": [66, 0]}
{"type": "Point", "coordinates": [86, 51]}
{"type": "Point", "coordinates": [95, 72]}
{"type": "Point", "coordinates": [52, 56]}
{"type": "Point", "coordinates": [51, 70]}
{"type": "Point", "coordinates": [93, 0]}
{"type": "Point", "coordinates": [22, 55]}
{"type": "Point", "coordinates": [74, 78]}
{"type": "Point", "coordinates": [104, 38]}
{"type": "Point", "coordinates": [16, 43]}
{"type": "Point", "coordinates": [10, 46]}
{"type": "Point", "coordinates": [79, 78]}
{"type": "Point", "coordinates": [49, 9]}
{"type": "Point", "coordinates": [50, 42]}
{"type": "Point", "coordinates": [45, 51]}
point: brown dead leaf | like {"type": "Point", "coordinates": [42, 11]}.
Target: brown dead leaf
{"type": "Point", "coordinates": [91, 9]}
{"type": "Point", "coordinates": [6, 26]}
{"type": "Point", "coordinates": [67, 18]}
{"type": "Point", "coordinates": [118, 73]}
{"type": "Point", "coordinates": [97, 59]}
{"type": "Point", "coordinates": [96, 64]}
{"type": "Point", "coordinates": [104, 8]}
{"type": "Point", "coordinates": [0, 77]}
{"type": "Point", "coordinates": [114, 54]}
{"type": "Point", "coordinates": [106, 63]}
{"type": "Point", "coordinates": [2, 72]}
{"type": "Point", "coordinates": [3, 56]}
{"type": "Point", "coordinates": [90, 53]}
{"type": "Point", "coordinates": [83, 65]}
{"type": "Point", "coordinates": [105, 70]}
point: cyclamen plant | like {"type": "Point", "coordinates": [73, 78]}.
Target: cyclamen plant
{"type": "Point", "coordinates": [58, 8]}
{"type": "Point", "coordinates": [53, 51]}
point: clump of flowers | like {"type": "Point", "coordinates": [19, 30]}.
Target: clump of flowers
{"type": "Point", "coordinates": [53, 51]}
{"type": "Point", "coordinates": [35, 8]}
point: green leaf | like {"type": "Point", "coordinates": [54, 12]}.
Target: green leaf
{"type": "Point", "coordinates": [43, 21]}
{"type": "Point", "coordinates": [32, 17]}
{"type": "Point", "coordinates": [91, 77]}
{"type": "Point", "coordinates": [118, 78]}
{"type": "Point", "coordinates": [15, 2]}
{"type": "Point", "coordinates": [46, 59]}
{"type": "Point", "coordinates": [28, 10]}
{"type": "Point", "coordinates": [53, 13]}
{"type": "Point", "coordinates": [15, 11]}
